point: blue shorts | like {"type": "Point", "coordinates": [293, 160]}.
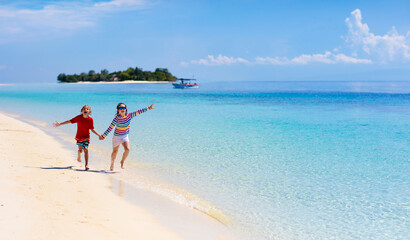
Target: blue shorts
{"type": "Point", "coordinates": [83, 144]}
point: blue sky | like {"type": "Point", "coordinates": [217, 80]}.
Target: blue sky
{"type": "Point", "coordinates": [239, 40]}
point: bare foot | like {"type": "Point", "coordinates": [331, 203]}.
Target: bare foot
{"type": "Point", "coordinates": [122, 165]}
{"type": "Point", "coordinates": [87, 168]}
{"type": "Point", "coordinates": [112, 168]}
{"type": "Point", "coordinates": [79, 159]}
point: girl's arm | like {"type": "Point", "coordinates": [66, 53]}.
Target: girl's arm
{"type": "Point", "coordinates": [57, 124]}
{"type": "Point", "coordinates": [112, 125]}
{"type": "Point", "coordinates": [142, 110]}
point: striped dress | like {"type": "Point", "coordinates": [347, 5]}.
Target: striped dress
{"type": "Point", "coordinates": [122, 124]}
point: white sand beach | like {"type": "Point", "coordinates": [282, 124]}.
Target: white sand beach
{"type": "Point", "coordinates": [42, 197]}
{"type": "Point", "coordinates": [116, 82]}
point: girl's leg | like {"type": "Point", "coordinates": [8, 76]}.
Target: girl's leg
{"type": "Point", "coordinates": [126, 146]}
{"type": "Point", "coordinates": [80, 150]}
{"type": "Point", "coordinates": [113, 156]}
{"type": "Point", "coordinates": [86, 158]}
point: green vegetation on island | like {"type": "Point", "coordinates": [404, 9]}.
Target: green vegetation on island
{"type": "Point", "coordinates": [134, 74]}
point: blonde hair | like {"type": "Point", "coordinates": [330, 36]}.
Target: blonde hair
{"type": "Point", "coordinates": [85, 107]}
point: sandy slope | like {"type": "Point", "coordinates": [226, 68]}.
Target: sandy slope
{"type": "Point", "coordinates": [40, 201]}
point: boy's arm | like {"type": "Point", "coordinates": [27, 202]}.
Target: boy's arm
{"type": "Point", "coordinates": [142, 110]}
{"type": "Point", "coordinates": [57, 124]}
{"type": "Point", "coordinates": [96, 133]}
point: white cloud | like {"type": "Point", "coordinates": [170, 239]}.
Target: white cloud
{"type": "Point", "coordinates": [370, 47]}
{"type": "Point", "coordinates": [184, 64]}
{"type": "Point", "coordinates": [389, 47]}
{"type": "Point", "coordinates": [306, 58]}
{"type": "Point", "coordinates": [272, 61]}
{"type": "Point", "coordinates": [326, 58]}
{"type": "Point", "coordinates": [219, 60]}
{"type": "Point", "coordinates": [120, 3]}
{"type": "Point", "coordinates": [346, 59]}
{"type": "Point", "coordinates": [60, 17]}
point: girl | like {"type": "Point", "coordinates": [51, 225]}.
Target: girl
{"type": "Point", "coordinates": [121, 122]}
{"type": "Point", "coordinates": [84, 124]}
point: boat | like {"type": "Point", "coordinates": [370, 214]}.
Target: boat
{"type": "Point", "coordinates": [185, 83]}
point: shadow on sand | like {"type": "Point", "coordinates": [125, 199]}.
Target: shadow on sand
{"type": "Point", "coordinates": [76, 169]}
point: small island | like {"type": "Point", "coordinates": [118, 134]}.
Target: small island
{"type": "Point", "coordinates": [131, 74]}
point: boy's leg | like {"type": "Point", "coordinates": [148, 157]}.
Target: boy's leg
{"type": "Point", "coordinates": [113, 156]}
{"type": "Point", "coordinates": [80, 150]}
{"type": "Point", "coordinates": [126, 146]}
{"type": "Point", "coordinates": [86, 158]}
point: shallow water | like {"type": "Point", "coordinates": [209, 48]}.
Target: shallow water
{"type": "Point", "coordinates": [280, 160]}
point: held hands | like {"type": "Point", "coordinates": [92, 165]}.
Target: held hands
{"type": "Point", "coordinates": [101, 137]}
{"type": "Point", "coordinates": [56, 124]}
{"type": "Point", "coordinates": [151, 107]}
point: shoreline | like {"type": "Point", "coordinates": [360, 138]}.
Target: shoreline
{"type": "Point", "coordinates": [47, 192]}
{"type": "Point", "coordinates": [134, 177]}
{"type": "Point", "coordinates": [114, 82]}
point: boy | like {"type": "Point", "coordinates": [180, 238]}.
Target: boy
{"type": "Point", "coordinates": [84, 124]}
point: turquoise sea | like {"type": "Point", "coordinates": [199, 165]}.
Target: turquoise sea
{"type": "Point", "coordinates": [273, 160]}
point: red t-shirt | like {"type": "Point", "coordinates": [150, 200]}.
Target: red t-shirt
{"type": "Point", "coordinates": [83, 127]}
